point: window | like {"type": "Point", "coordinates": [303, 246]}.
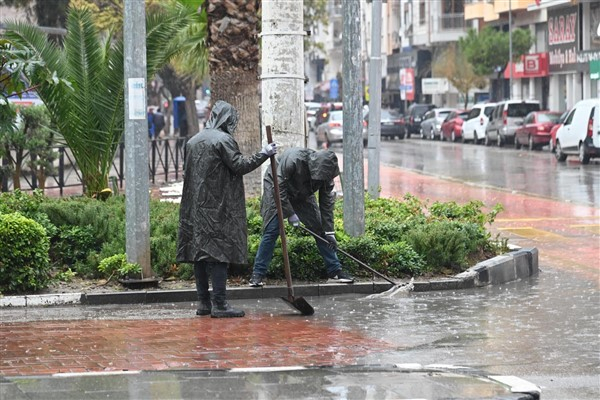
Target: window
{"type": "Point", "coordinates": [453, 6]}
{"type": "Point", "coordinates": [422, 13]}
{"type": "Point", "coordinates": [474, 113]}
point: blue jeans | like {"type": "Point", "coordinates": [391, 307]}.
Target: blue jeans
{"type": "Point", "coordinates": [264, 255]}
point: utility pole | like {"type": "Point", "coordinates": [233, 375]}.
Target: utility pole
{"type": "Point", "coordinates": [510, 51]}
{"type": "Point", "coordinates": [353, 173]}
{"type": "Point", "coordinates": [282, 97]}
{"type": "Point", "coordinates": [374, 144]}
{"type": "Point", "coordinates": [137, 186]}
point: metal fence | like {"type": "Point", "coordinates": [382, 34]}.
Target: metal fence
{"type": "Point", "coordinates": [165, 162]}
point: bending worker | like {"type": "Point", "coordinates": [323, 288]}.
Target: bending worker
{"type": "Point", "coordinates": [301, 173]}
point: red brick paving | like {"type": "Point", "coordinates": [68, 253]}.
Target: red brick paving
{"type": "Point", "coordinates": [40, 348]}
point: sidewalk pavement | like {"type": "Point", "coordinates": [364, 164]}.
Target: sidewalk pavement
{"type": "Point", "coordinates": [102, 346]}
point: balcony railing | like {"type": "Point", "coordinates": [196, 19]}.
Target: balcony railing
{"type": "Point", "coordinates": [452, 21]}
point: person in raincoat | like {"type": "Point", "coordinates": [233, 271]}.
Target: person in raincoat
{"type": "Point", "coordinates": [301, 173]}
{"type": "Point", "coordinates": [212, 217]}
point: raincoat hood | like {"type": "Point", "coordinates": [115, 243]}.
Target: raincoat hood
{"type": "Point", "coordinates": [223, 117]}
{"type": "Point", "coordinates": [323, 165]}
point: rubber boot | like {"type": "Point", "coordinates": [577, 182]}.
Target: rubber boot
{"type": "Point", "coordinates": [220, 307]}
{"type": "Point", "coordinates": [201, 274]}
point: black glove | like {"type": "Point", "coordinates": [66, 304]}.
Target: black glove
{"type": "Point", "coordinates": [330, 236]}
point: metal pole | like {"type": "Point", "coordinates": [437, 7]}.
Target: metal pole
{"type": "Point", "coordinates": [353, 174]}
{"type": "Point", "coordinates": [510, 50]}
{"type": "Point", "coordinates": [137, 203]}
{"type": "Point", "coordinates": [375, 101]}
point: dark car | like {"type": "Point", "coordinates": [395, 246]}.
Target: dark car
{"type": "Point", "coordinates": [536, 129]}
{"type": "Point", "coordinates": [414, 116]}
{"type": "Point", "coordinates": [392, 124]}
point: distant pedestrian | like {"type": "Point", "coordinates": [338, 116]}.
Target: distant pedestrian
{"type": "Point", "coordinates": [159, 122]}
{"type": "Point", "coordinates": [150, 123]}
{"type": "Point", "coordinates": [212, 217]}
{"type": "Point", "coordinates": [301, 173]}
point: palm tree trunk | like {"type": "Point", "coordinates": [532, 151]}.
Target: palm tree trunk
{"type": "Point", "coordinates": [239, 88]}
{"type": "Point", "coordinates": [233, 60]}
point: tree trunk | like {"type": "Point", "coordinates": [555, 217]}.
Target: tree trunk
{"type": "Point", "coordinates": [190, 107]}
{"type": "Point", "coordinates": [233, 60]}
{"type": "Point", "coordinates": [240, 90]}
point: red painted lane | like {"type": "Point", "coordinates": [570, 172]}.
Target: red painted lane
{"type": "Point", "coordinates": [568, 233]}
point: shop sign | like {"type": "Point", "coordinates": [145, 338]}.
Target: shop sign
{"type": "Point", "coordinates": [563, 39]}
{"type": "Point", "coordinates": [595, 69]}
{"type": "Point", "coordinates": [407, 84]}
{"type": "Point", "coordinates": [531, 66]}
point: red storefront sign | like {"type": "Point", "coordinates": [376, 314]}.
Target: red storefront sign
{"type": "Point", "coordinates": [531, 66]}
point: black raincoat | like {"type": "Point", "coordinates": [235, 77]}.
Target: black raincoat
{"type": "Point", "coordinates": [300, 174]}
{"type": "Point", "coordinates": [212, 217]}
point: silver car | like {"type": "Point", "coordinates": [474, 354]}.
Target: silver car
{"type": "Point", "coordinates": [431, 127]}
{"type": "Point", "coordinates": [506, 119]}
{"type": "Point", "coordinates": [332, 130]}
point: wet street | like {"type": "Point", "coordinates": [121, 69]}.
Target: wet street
{"type": "Point", "coordinates": [544, 329]}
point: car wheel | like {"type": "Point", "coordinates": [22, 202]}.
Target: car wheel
{"type": "Point", "coordinates": [530, 143]}
{"type": "Point", "coordinates": [476, 139]}
{"type": "Point", "coordinates": [584, 156]}
{"type": "Point", "coordinates": [517, 143]}
{"type": "Point", "coordinates": [560, 156]}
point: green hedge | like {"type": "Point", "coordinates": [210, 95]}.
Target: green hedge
{"type": "Point", "coordinates": [24, 262]}
{"type": "Point", "coordinates": [402, 238]}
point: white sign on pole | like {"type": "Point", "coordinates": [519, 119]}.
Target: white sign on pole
{"type": "Point", "coordinates": [137, 98]}
{"type": "Point", "coordinates": [435, 85]}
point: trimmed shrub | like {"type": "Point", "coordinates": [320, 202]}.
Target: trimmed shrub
{"type": "Point", "coordinates": [118, 266]}
{"type": "Point", "coordinates": [440, 244]}
{"type": "Point", "coordinates": [24, 261]}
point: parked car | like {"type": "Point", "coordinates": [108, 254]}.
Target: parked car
{"type": "Point", "coordinates": [554, 129]}
{"type": "Point", "coordinates": [580, 133]}
{"type": "Point", "coordinates": [452, 125]}
{"type": "Point", "coordinates": [431, 125]}
{"type": "Point", "coordinates": [332, 130]}
{"type": "Point", "coordinates": [473, 128]}
{"type": "Point", "coordinates": [503, 120]}
{"type": "Point", "coordinates": [392, 124]}
{"type": "Point", "coordinates": [414, 116]}
{"type": "Point", "coordinates": [534, 132]}
{"type": "Point", "coordinates": [323, 112]}
{"type": "Point", "coordinates": [311, 114]}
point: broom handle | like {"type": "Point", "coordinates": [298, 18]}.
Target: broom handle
{"type": "Point", "coordinates": [350, 256]}
{"type": "Point", "coordinates": [286, 261]}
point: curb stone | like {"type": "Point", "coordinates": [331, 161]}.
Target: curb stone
{"type": "Point", "coordinates": [518, 264]}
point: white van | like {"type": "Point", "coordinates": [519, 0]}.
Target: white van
{"type": "Point", "coordinates": [580, 133]}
